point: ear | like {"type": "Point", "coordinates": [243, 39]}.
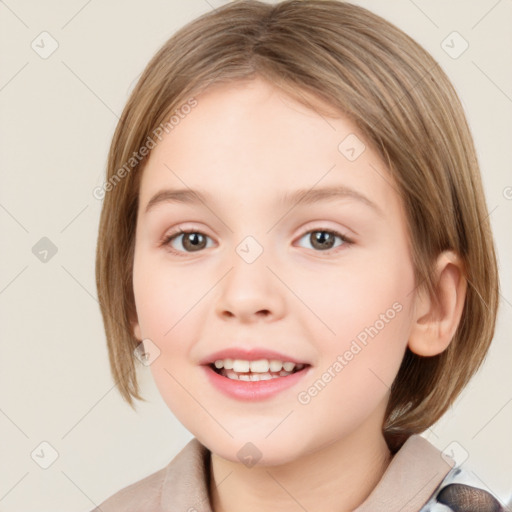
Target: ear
{"type": "Point", "coordinates": [136, 330]}
{"type": "Point", "coordinates": [134, 323]}
{"type": "Point", "coordinates": [435, 321]}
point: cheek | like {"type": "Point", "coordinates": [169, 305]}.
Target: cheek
{"type": "Point", "coordinates": [352, 381]}
{"type": "Point", "coordinates": [170, 310]}
{"type": "Point", "coordinates": [162, 296]}
{"type": "Point", "coordinates": [361, 294]}
{"type": "Point", "coordinates": [369, 311]}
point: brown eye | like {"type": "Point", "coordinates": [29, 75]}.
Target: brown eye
{"type": "Point", "coordinates": [324, 239]}
{"type": "Point", "coordinates": [191, 241]}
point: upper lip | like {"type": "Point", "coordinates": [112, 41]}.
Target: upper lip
{"type": "Point", "coordinates": [249, 354]}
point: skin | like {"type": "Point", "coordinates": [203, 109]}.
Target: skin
{"type": "Point", "coordinates": [246, 144]}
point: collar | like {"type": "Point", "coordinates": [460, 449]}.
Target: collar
{"type": "Point", "coordinates": [410, 479]}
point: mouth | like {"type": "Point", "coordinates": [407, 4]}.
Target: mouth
{"type": "Point", "coordinates": [256, 373]}
{"type": "Point", "coordinates": [256, 370]}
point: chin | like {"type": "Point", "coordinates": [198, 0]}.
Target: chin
{"type": "Point", "coordinates": [255, 450]}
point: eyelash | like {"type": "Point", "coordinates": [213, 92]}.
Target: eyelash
{"type": "Point", "coordinates": [168, 238]}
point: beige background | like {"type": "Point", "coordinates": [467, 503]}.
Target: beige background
{"type": "Point", "coordinates": [57, 119]}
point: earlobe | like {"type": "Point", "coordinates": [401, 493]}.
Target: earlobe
{"type": "Point", "coordinates": [134, 322]}
{"type": "Point", "coordinates": [136, 331]}
{"type": "Point", "coordinates": [435, 321]}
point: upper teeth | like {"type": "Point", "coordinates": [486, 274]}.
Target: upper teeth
{"type": "Point", "coordinates": [260, 365]}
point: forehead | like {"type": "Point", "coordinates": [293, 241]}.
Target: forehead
{"type": "Point", "coordinates": [246, 143]}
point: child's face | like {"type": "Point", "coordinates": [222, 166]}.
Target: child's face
{"type": "Point", "coordinates": [344, 309]}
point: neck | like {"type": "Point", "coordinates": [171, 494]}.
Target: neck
{"type": "Point", "coordinates": [338, 477]}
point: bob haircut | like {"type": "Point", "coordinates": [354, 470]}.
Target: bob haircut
{"type": "Point", "coordinates": [362, 67]}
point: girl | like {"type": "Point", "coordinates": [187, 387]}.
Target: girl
{"type": "Point", "coordinates": [294, 238]}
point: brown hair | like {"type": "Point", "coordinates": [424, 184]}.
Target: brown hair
{"type": "Point", "coordinates": [367, 69]}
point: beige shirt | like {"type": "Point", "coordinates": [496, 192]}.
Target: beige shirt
{"type": "Point", "coordinates": [409, 481]}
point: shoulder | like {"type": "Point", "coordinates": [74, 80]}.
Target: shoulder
{"type": "Point", "coordinates": [460, 491]}
{"type": "Point", "coordinates": [143, 495]}
{"type": "Point", "coordinates": [182, 481]}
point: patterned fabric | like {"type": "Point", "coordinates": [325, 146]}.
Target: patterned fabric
{"type": "Point", "coordinates": [461, 492]}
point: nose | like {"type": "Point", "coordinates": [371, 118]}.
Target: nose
{"type": "Point", "coordinates": [251, 292]}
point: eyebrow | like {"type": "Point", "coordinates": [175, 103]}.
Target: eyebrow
{"type": "Point", "coordinates": [297, 197]}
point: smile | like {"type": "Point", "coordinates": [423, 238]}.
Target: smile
{"type": "Point", "coordinates": [260, 369]}
{"type": "Point", "coordinates": [254, 380]}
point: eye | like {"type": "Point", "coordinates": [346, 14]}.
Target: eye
{"type": "Point", "coordinates": [324, 239]}
{"type": "Point", "coordinates": [192, 241]}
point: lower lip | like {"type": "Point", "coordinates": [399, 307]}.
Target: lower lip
{"type": "Point", "coordinates": [253, 390]}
